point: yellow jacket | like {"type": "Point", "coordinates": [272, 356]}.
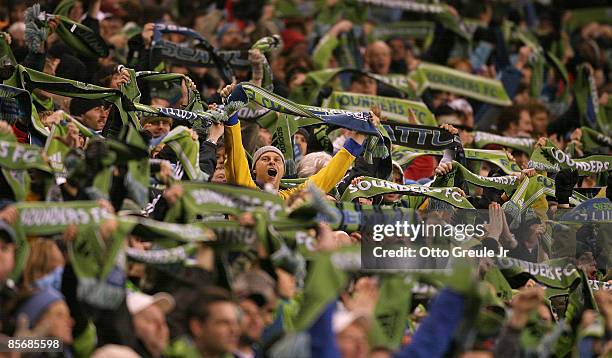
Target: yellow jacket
{"type": "Point", "coordinates": [237, 166]}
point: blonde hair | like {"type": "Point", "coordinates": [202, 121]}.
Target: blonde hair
{"type": "Point", "coordinates": [40, 260]}
{"type": "Point", "coordinates": [311, 164]}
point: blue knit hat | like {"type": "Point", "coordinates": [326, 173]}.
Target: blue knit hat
{"type": "Point", "coordinates": [38, 303]}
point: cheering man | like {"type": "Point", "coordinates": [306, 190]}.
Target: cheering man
{"type": "Point", "coordinates": [269, 163]}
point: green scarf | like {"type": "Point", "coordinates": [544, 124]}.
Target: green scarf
{"type": "Point", "coordinates": [291, 183]}
{"type": "Point", "coordinates": [557, 273]}
{"type": "Point", "coordinates": [499, 282]}
{"type": "Point", "coordinates": [254, 112]}
{"type": "Point", "coordinates": [247, 92]}
{"type": "Point", "coordinates": [267, 45]}
{"type": "Point", "coordinates": [441, 78]}
{"type": "Point", "coordinates": [56, 150]}
{"type": "Point", "coordinates": [15, 159]}
{"type": "Point", "coordinates": [369, 187]}
{"type": "Point", "coordinates": [482, 139]}
{"type": "Point", "coordinates": [404, 156]}
{"type": "Point", "coordinates": [581, 17]}
{"type": "Point", "coordinates": [200, 199]}
{"type": "Point", "coordinates": [139, 169]}
{"type": "Point", "coordinates": [326, 278]}
{"type": "Point", "coordinates": [187, 233]}
{"type": "Point", "coordinates": [76, 35]}
{"type": "Point", "coordinates": [19, 181]}
{"type": "Point", "coordinates": [506, 183]}
{"type": "Point", "coordinates": [419, 30]}
{"type": "Point", "coordinates": [194, 102]}
{"type": "Point", "coordinates": [17, 156]}
{"type": "Point", "coordinates": [391, 312]}
{"type": "Point", "coordinates": [580, 298]}
{"type": "Point", "coordinates": [538, 61]}
{"type": "Point", "coordinates": [81, 38]}
{"type": "Point", "coordinates": [187, 151]}
{"type": "Point", "coordinates": [29, 79]}
{"type": "Point", "coordinates": [377, 146]}
{"type": "Point", "coordinates": [392, 109]}
{"type": "Point", "coordinates": [63, 8]}
{"type": "Point", "coordinates": [593, 141]}
{"type": "Point", "coordinates": [528, 192]}
{"type": "Point", "coordinates": [178, 254]}
{"type": "Point", "coordinates": [356, 217]}
{"type": "Point", "coordinates": [599, 285]}
{"type": "Point", "coordinates": [188, 56]}
{"type": "Point", "coordinates": [552, 159]}
{"type": "Point", "coordinates": [285, 129]}
{"type": "Point", "coordinates": [197, 120]}
{"type": "Point", "coordinates": [93, 257]}
{"type": "Point", "coordinates": [40, 218]}
{"type": "Point", "coordinates": [7, 58]}
{"type": "Point", "coordinates": [315, 80]}
{"type": "Point", "coordinates": [440, 12]}
{"type": "Point", "coordinates": [587, 100]}
{"type": "Point", "coordinates": [395, 81]}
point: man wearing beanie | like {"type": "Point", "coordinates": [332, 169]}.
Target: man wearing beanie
{"type": "Point", "coordinates": [268, 165]}
{"type": "Point", "coordinates": [91, 112]}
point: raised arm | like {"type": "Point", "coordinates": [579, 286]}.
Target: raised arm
{"type": "Point", "coordinates": [327, 178]}
{"type": "Point", "coordinates": [236, 166]}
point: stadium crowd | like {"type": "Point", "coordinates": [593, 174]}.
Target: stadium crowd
{"type": "Point", "coordinates": [199, 178]}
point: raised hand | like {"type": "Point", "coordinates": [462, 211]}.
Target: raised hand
{"type": "Point", "coordinates": [496, 222]}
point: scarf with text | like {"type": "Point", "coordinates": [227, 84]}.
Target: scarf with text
{"type": "Point", "coordinates": [482, 139]}
{"type": "Point", "coordinates": [357, 121]}
{"type": "Point", "coordinates": [419, 30]}
{"type": "Point", "coordinates": [186, 233]}
{"type": "Point", "coordinates": [209, 198]}
{"type": "Point", "coordinates": [370, 187]}
{"type": "Point", "coordinates": [186, 55]}
{"type": "Point", "coordinates": [174, 255]}
{"type": "Point", "coordinates": [376, 147]}
{"type": "Point", "coordinates": [440, 13]}
{"type": "Point", "coordinates": [421, 137]}
{"type": "Point", "coordinates": [442, 78]}
{"type": "Point", "coordinates": [18, 156]}
{"type": "Point", "coordinates": [42, 219]}
{"type": "Point", "coordinates": [308, 92]}
{"type": "Point", "coordinates": [551, 159]}
{"type": "Point", "coordinates": [596, 210]}
{"type": "Point", "coordinates": [507, 183]}
{"type": "Point", "coordinates": [392, 109]}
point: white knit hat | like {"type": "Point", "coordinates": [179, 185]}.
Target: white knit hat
{"type": "Point", "coordinates": [261, 151]}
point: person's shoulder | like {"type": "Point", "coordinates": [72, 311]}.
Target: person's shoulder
{"type": "Point", "coordinates": [181, 347]}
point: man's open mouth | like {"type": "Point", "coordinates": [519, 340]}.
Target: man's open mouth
{"type": "Point", "coordinates": [272, 172]}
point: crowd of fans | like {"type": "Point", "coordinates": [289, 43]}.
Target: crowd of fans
{"type": "Point", "coordinates": [148, 210]}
